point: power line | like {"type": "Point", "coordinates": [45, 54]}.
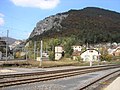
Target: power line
{"type": "Point", "coordinates": [11, 28]}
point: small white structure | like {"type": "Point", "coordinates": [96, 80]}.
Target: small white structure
{"type": "Point", "coordinates": [77, 48]}
{"type": "Point", "coordinates": [45, 54]}
{"type": "Point", "coordinates": [90, 55]}
{"type": "Point", "coordinates": [38, 59]}
{"type": "Point", "coordinates": [0, 55]}
{"type": "Point", "coordinates": [58, 52]}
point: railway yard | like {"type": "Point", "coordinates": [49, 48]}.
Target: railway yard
{"type": "Point", "coordinates": [59, 45]}
{"type": "Point", "coordinates": [57, 78]}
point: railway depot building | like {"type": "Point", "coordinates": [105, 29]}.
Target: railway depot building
{"type": "Point", "coordinates": [90, 55]}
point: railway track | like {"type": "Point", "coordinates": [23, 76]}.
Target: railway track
{"type": "Point", "coordinates": [52, 72]}
{"type": "Point", "coordinates": [87, 86]}
{"type": "Point", "coordinates": [18, 79]}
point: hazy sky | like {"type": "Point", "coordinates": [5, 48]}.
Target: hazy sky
{"type": "Point", "coordinates": [21, 16]}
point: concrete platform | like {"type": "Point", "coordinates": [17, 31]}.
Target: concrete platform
{"type": "Point", "coordinates": [115, 85]}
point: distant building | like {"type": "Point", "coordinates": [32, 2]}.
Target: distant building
{"type": "Point", "coordinates": [45, 54]}
{"type": "Point", "coordinates": [58, 52]}
{"type": "Point", "coordinates": [76, 48]}
{"type": "Point", "coordinates": [76, 51]}
{"type": "Point", "coordinates": [117, 51]}
{"type": "Point", "coordinates": [90, 54]}
{"type": "Point", "coordinates": [75, 55]}
{"type": "Point", "coordinates": [114, 51]}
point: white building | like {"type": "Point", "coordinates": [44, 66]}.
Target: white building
{"type": "Point", "coordinates": [58, 52]}
{"type": "Point", "coordinates": [76, 48]}
{"type": "Point", "coordinates": [90, 55]}
{"type": "Point", "coordinates": [0, 55]}
{"type": "Point", "coordinates": [45, 54]}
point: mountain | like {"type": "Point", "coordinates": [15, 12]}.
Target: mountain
{"type": "Point", "coordinates": [91, 24]}
{"type": "Point", "coordinates": [9, 39]}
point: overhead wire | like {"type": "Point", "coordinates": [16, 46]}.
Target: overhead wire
{"type": "Point", "coordinates": [11, 28]}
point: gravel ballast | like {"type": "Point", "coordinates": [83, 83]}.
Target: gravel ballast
{"type": "Point", "coordinates": [69, 83]}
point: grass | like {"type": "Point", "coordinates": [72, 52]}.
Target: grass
{"type": "Point", "coordinates": [15, 64]}
{"type": "Point", "coordinates": [63, 62]}
{"type": "Point", "coordinates": [59, 63]}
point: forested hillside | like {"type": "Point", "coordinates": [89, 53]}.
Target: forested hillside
{"type": "Point", "coordinates": [91, 24]}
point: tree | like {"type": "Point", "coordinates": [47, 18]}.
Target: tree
{"type": "Point", "coordinates": [68, 46]}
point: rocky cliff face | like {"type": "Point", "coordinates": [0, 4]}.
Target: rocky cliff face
{"type": "Point", "coordinates": [91, 25]}
{"type": "Point", "coordinates": [48, 23]}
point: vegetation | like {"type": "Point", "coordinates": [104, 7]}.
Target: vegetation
{"type": "Point", "coordinates": [2, 46]}
{"type": "Point", "coordinates": [52, 55]}
{"type": "Point", "coordinates": [89, 25]}
{"type": "Point", "coordinates": [46, 64]}
{"type": "Point", "coordinates": [106, 58]}
{"type": "Point", "coordinates": [49, 46]}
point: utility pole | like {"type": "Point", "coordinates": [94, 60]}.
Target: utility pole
{"type": "Point", "coordinates": [34, 49]}
{"type": "Point", "coordinates": [41, 53]}
{"type": "Point", "coordinates": [37, 52]}
{"type": "Point", "coordinates": [7, 46]}
{"type": "Point", "coordinates": [26, 53]}
{"type": "Point", "coordinates": [90, 61]}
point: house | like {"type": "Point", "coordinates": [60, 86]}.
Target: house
{"type": "Point", "coordinates": [76, 51]}
{"type": "Point", "coordinates": [58, 52]}
{"type": "Point", "coordinates": [114, 51]}
{"type": "Point", "coordinates": [117, 52]}
{"type": "Point", "coordinates": [76, 48]}
{"type": "Point", "coordinates": [75, 55]}
{"type": "Point", "coordinates": [90, 55]}
{"type": "Point", "coordinates": [45, 54]}
{"type": "Point", "coordinates": [0, 55]}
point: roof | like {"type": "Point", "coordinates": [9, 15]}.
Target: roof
{"type": "Point", "coordinates": [118, 48]}
{"type": "Point", "coordinates": [91, 49]}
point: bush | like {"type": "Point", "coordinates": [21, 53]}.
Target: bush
{"type": "Point", "coordinates": [51, 55]}
{"type": "Point", "coordinates": [106, 57]}
{"type": "Point", "coordinates": [17, 55]}
{"type": "Point", "coordinates": [67, 55]}
{"type": "Point", "coordinates": [79, 59]}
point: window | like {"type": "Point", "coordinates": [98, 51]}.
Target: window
{"type": "Point", "coordinates": [91, 51]}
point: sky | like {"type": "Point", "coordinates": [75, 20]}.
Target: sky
{"type": "Point", "coordinates": [20, 16]}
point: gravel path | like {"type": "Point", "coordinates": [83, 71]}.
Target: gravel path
{"type": "Point", "coordinates": [5, 71]}
{"type": "Point", "coordinates": [69, 83]}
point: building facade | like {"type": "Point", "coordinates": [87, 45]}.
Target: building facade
{"type": "Point", "coordinates": [90, 55]}
{"type": "Point", "coordinates": [58, 52]}
{"type": "Point", "coordinates": [76, 48]}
